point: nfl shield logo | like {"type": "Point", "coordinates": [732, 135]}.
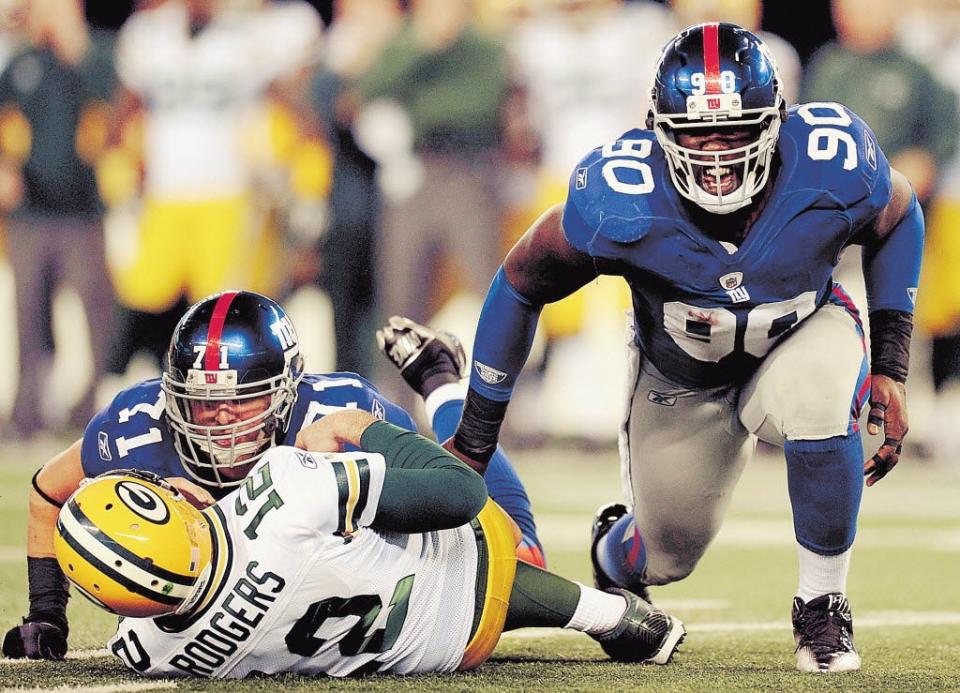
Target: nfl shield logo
{"type": "Point", "coordinates": [732, 280]}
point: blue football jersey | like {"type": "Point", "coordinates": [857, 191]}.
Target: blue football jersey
{"type": "Point", "coordinates": [132, 433]}
{"type": "Point", "coordinates": [706, 316]}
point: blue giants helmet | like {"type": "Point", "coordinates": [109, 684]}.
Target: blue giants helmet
{"type": "Point", "coordinates": [714, 76]}
{"type": "Point", "coordinates": [230, 384]}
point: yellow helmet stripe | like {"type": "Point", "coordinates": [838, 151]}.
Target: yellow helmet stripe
{"type": "Point", "coordinates": [100, 551]}
{"type": "Point", "coordinates": [113, 545]}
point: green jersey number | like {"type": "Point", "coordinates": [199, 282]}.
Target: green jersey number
{"type": "Point", "coordinates": [254, 487]}
{"type": "Point", "coordinates": [302, 639]}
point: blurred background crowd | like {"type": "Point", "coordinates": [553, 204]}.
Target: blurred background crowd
{"type": "Point", "coordinates": [359, 158]}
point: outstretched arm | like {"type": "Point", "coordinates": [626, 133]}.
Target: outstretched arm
{"type": "Point", "coordinates": [425, 488]}
{"type": "Point", "coordinates": [892, 252]}
{"type": "Point", "coordinates": [44, 631]}
{"type": "Point", "coordinates": [541, 268]}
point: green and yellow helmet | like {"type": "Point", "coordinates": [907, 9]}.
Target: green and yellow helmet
{"type": "Point", "coordinates": [133, 545]}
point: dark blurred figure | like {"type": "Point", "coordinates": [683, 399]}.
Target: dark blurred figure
{"type": "Point", "coordinates": [806, 36]}
{"type": "Point", "coordinates": [353, 42]}
{"type": "Point", "coordinates": [915, 119]}
{"type": "Point", "coordinates": [432, 118]}
{"type": "Point", "coordinates": [53, 129]}
{"type": "Point", "coordinates": [913, 116]}
{"type": "Point", "coordinates": [931, 33]}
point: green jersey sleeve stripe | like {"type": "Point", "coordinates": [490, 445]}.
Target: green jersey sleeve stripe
{"type": "Point", "coordinates": [343, 496]}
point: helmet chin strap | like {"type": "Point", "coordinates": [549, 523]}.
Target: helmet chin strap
{"type": "Point", "coordinates": [190, 601]}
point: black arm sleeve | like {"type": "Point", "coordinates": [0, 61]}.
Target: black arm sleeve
{"type": "Point", "coordinates": [425, 488]}
{"type": "Point", "coordinates": [890, 332]}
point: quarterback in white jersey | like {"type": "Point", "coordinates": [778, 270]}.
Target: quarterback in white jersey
{"type": "Point", "coordinates": [327, 563]}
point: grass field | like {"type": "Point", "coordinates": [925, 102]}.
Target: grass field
{"type": "Point", "coordinates": [904, 588]}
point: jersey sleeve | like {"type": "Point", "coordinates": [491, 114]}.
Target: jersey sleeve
{"type": "Point", "coordinates": [839, 154]}
{"type": "Point", "coordinates": [326, 493]}
{"type": "Point", "coordinates": [610, 194]}
{"type": "Point", "coordinates": [874, 172]}
{"type": "Point", "coordinates": [131, 433]}
{"type": "Point", "coordinates": [320, 394]}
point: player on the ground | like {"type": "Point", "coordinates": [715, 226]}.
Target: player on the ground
{"type": "Point", "coordinates": [233, 388]}
{"type": "Point", "coordinates": [726, 217]}
{"type": "Point", "coordinates": [329, 563]}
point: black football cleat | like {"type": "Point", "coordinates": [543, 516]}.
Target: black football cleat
{"type": "Point", "coordinates": [823, 629]}
{"type": "Point", "coordinates": [645, 634]}
{"type": "Point", "coordinates": [603, 520]}
{"type": "Point", "coordinates": [426, 358]}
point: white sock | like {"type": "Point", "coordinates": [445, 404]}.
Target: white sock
{"type": "Point", "coordinates": [442, 395]}
{"type": "Point", "coordinates": [597, 612]}
{"type": "Point", "coordinates": [821, 575]}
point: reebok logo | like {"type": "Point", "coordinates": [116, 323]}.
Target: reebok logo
{"type": "Point", "coordinates": [661, 399]}
{"type": "Point", "coordinates": [103, 446]}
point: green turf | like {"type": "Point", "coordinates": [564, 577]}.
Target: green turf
{"type": "Point", "coordinates": [906, 568]}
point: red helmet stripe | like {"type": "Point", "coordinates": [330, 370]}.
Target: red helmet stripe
{"type": "Point", "coordinates": [211, 357]}
{"type": "Point", "coordinates": [711, 57]}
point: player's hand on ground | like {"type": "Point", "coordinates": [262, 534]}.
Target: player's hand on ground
{"type": "Point", "coordinates": [196, 495]}
{"type": "Point", "coordinates": [35, 640]}
{"type": "Point", "coordinates": [888, 412]}
{"type": "Point", "coordinates": [335, 430]}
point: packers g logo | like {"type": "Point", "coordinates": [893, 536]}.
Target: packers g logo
{"type": "Point", "coordinates": [143, 501]}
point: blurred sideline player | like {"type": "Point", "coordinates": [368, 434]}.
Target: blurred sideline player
{"type": "Point", "coordinates": [572, 103]}
{"type": "Point", "coordinates": [726, 217]}
{"type": "Point", "coordinates": [387, 559]}
{"type": "Point", "coordinates": [195, 74]}
{"type": "Point", "coordinates": [233, 388]}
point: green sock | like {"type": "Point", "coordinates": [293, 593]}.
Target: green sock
{"type": "Point", "coordinates": [541, 599]}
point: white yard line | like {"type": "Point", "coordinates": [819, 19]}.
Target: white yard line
{"type": "Point", "coordinates": [72, 654]}
{"type": "Point", "coordinates": [568, 532]}
{"type": "Point", "coordinates": [112, 688]}
{"type": "Point", "coordinates": [879, 619]}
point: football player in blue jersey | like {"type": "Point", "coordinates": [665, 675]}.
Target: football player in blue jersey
{"type": "Point", "coordinates": [233, 388]}
{"type": "Point", "coordinates": [726, 216]}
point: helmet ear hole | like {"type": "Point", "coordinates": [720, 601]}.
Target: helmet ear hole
{"type": "Point", "coordinates": [649, 121]}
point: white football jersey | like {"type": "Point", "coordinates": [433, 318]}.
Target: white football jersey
{"type": "Point", "coordinates": [300, 583]}
{"type": "Point", "coordinates": [588, 78]}
{"type": "Point", "coordinates": [200, 91]}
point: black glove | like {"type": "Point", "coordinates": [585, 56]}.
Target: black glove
{"type": "Point", "coordinates": [43, 634]}
{"type": "Point", "coordinates": [36, 640]}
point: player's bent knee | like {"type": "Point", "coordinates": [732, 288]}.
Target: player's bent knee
{"type": "Point", "coordinates": [662, 570]}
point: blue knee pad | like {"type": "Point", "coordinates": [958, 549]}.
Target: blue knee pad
{"type": "Point", "coordinates": [503, 484]}
{"type": "Point", "coordinates": [825, 480]}
{"type": "Point", "coordinates": [622, 554]}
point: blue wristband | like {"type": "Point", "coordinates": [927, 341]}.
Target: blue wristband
{"type": "Point", "coordinates": [505, 333]}
{"type": "Point", "coordinates": [891, 268]}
